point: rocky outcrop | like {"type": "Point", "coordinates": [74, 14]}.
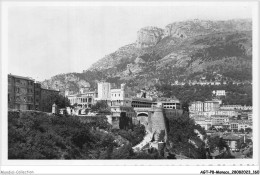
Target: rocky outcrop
{"type": "Point", "coordinates": [197, 27]}
{"type": "Point", "coordinates": [65, 82]}
{"type": "Point", "coordinates": [109, 61]}
{"type": "Point", "coordinates": [149, 36]}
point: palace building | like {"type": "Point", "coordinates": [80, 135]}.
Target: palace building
{"type": "Point", "coordinates": [84, 99]}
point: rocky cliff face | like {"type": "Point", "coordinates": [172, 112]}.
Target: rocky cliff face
{"type": "Point", "coordinates": [149, 36]}
{"type": "Point", "coordinates": [196, 27]}
{"type": "Point", "coordinates": [183, 51]}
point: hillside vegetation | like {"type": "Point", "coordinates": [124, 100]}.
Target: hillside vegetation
{"type": "Point", "coordinates": [38, 135]}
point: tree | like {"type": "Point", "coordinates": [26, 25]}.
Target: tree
{"type": "Point", "coordinates": [212, 128]}
{"type": "Point", "coordinates": [134, 135]}
{"type": "Point", "coordinates": [248, 130]}
{"type": "Point", "coordinates": [242, 130]}
{"type": "Point", "coordinates": [101, 122]}
{"type": "Point", "coordinates": [100, 106]}
{"type": "Point", "coordinates": [37, 135]}
{"type": "Point", "coordinates": [124, 152]}
{"type": "Point", "coordinates": [48, 100]}
{"type": "Point", "coordinates": [216, 142]}
{"type": "Point", "coordinates": [75, 105]}
{"type": "Point", "coordinates": [181, 133]}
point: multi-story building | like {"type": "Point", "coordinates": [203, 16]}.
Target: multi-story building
{"type": "Point", "coordinates": [237, 125]}
{"type": "Point", "coordinates": [37, 95]}
{"type": "Point", "coordinates": [231, 107]}
{"type": "Point", "coordinates": [20, 93]}
{"type": "Point", "coordinates": [171, 104]}
{"type": "Point", "coordinates": [121, 108]}
{"type": "Point", "coordinates": [138, 102]}
{"type": "Point", "coordinates": [171, 107]}
{"type": "Point", "coordinates": [207, 106]}
{"type": "Point", "coordinates": [196, 106]}
{"type": "Point", "coordinates": [230, 113]}
{"type": "Point", "coordinates": [219, 119]}
{"type": "Point", "coordinates": [211, 105]}
{"type": "Point", "coordinates": [120, 97]}
{"type": "Point", "coordinates": [233, 125]}
{"type": "Point", "coordinates": [204, 122]}
{"type": "Point", "coordinates": [84, 99]}
{"type": "Point", "coordinates": [219, 93]}
{"type": "Point", "coordinates": [244, 114]}
{"type": "Point", "coordinates": [244, 125]}
{"type": "Point", "coordinates": [26, 94]}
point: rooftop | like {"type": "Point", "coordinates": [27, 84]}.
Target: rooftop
{"type": "Point", "coordinates": [142, 99]}
{"type": "Point", "coordinates": [49, 89]}
{"type": "Point", "coordinates": [21, 77]}
{"type": "Point", "coordinates": [220, 116]}
{"type": "Point", "coordinates": [231, 137]}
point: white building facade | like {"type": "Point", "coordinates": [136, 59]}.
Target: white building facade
{"type": "Point", "coordinates": [104, 91]}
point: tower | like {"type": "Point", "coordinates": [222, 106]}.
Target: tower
{"type": "Point", "coordinates": [104, 91]}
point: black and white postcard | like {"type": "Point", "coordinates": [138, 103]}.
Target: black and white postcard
{"type": "Point", "coordinates": [100, 84]}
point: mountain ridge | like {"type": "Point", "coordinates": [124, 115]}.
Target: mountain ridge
{"type": "Point", "coordinates": [183, 51]}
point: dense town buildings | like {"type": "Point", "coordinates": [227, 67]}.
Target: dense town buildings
{"type": "Point", "coordinates": [233, 107]}
{"type": "Point", "coordinates": [212, 114]}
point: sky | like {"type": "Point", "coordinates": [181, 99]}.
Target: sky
{"type": "Point", "coordinates": [44, 41]}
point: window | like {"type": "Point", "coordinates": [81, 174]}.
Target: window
{"type": "Point", "coordinates": [18, 90]}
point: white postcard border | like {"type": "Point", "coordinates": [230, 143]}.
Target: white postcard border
{"type": "Point", "coordinates": [196, 162]}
